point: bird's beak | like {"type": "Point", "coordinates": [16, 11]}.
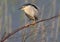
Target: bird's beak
{"type": "Point", "coordinates": [21, 8]}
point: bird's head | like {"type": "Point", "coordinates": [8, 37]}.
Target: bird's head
{"type": "Point", "coordinates": [22, 8]}
{"type": "Point", "coordinates": [25, 6]}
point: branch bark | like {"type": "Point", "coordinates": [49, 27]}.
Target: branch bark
{"type": "Point", "coordinates": [25, 26]}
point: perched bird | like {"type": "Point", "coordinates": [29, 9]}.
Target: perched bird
{"type": "Point", "coordinates": [31, 11]}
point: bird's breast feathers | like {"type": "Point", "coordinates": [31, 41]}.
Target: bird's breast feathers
{"type": "Point", "coordinates": [30, 11]}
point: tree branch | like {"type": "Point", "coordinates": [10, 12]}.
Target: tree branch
{"type": "Point", "coordinates": [25, 26]}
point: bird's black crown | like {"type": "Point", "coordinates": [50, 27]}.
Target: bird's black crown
{"type": "Point", "coordinates": [31, 5]}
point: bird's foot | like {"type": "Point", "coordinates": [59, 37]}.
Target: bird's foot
{"type": "Point", "coordinates": [27, 24]}
{"type": "Point", "coordinates": [34, 23]}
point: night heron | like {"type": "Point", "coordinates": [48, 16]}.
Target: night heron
{"type": "Point", "coordinates": [31, 11]}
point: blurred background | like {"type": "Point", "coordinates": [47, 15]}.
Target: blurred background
{"type": "Point", "coordinates": [11, 18]}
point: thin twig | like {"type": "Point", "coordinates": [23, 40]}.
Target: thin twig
{"type": "Point", "coordinates": [25, 26]}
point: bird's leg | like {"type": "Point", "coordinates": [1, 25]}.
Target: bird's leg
{"type": "Point", "coordinates": [34, 21]}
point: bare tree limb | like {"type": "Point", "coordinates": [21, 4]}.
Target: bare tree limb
{"type": "Point", "coordinates": [3, 35]}
{"type": "Point", "coordinates": [25, 26]}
